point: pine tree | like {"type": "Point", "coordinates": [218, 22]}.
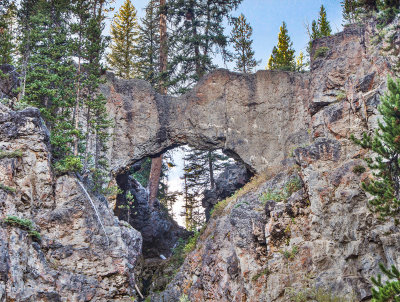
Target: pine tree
{"type": "Point", "coordinates": [200, 171]}
{"type": "Point", "coordinates": [50, 74]}
{"type": "Point", "coordinates": [241, 38]}
{"type": "Point", "coordinates": [282, 57]}
{"type": "Point", "coordinates": [390, 290]}
{"type": "Point", "coordinates": [7, 32]}
{"type": "Point", "coordinates": [300, 64]}
{"type": "Point", "coordinates": [197, 36]}
{"type": "Point", "coordinates": [324, 27]}
{"type": "Point", "coordinates": [349, 11]}
{"type": "Point", "coordinates": [124, 37]}
{"type": "Point", "coordinates": [149, 45]}
{"type": "Point", "coordinates": [385, 186]}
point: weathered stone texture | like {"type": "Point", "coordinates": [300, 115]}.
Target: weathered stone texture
{"type": "Point", "coordinates": [74, 260]}
{"type": "Point", "coordinates": [321, 234]}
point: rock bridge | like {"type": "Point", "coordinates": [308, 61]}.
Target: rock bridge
{"type": "Point", "coordinates": [257, 118]}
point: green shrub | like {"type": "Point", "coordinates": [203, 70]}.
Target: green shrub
{"type": "Point", "coordinates": [184, 298]}
{"type": "Point", "coordinates": [68, 164]}
{"type": "Point", "coordinates": [321, 52]}
{"type": "Point", "coordinates": [358, 169]}
{"type": "Point", "coordinates": [292, 186]}
{"type": "Point", "coordinates": [7, 188]}
{"type": "Point", "coordinates": [218, 209]}
{"type": "Point", "coordinates": [290, 254]}
{"type": "Point", "coordinates": [24, 224]}
{"type": "Point", "coordinates": [341, 96]}
{"type": "Point", "coordinates": [10, 154]}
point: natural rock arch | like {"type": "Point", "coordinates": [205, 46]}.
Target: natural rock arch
{"type": "Point", "coordinates": [258, 118]}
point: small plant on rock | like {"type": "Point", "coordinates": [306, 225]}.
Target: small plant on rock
{"type": "Point", "coordinates": [321, 52]}
{"type": "Point", "coordinates": [7, 188]}
{"type": "Point", "coordinates": [359, 169]}
{"type": "Point", "coordinates": [24, 224]}
{"type": "Point", "coordinates": [10, 154]}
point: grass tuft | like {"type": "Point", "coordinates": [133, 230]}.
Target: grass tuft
{"type": "Point", "coordinates": [24, 224]}
{"type": "Point", "coordinates": [10, 154]}
{"type": "Point", "coordinates": [7, 188]}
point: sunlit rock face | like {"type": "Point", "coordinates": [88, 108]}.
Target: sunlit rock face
{"type": "Point", "coordinates": [258, 118]}
{"type": "Point", "coordinates": [305, 223]}
{"type": "Point", "coordinates": [76, 259]}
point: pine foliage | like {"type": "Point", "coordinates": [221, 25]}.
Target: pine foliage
{"type": "Point", "coordinates": [390, 290]}
{"type": "Point", "coordinates": [124, 39]}
{"type": "Point", "coordinates": [320, 28]}
{"type": "Point", "coordinates": [242, 43]}
{"type": "Point", "coordinates": [149, 45]}
{"type": "Point", "coordinates": [7, 32]}
{"type": "Point", "coordinates": [385, 186]}
{"type": "Point", "coordinates": [283, 57]}
{"type": "Point", "coordinates": [197, 36]}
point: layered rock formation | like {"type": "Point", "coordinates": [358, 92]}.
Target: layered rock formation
{"type": "Point", "coordinates": [304, 224]}
{"type": "Point", "coordinates": [81, 255]}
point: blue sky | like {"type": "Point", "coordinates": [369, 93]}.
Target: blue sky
{"type": "Point", "coordinates": [266, 16]}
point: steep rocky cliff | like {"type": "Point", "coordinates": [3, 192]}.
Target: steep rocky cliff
{"type": "Point", "coordinates": [302, 222]}
{"type": "Point", "coordinates": [81, 255]}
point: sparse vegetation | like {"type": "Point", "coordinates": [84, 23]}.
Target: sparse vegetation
{"type": "Point", "coordinates": [7, 188]}
{"type": "Point", "coordinates": [10, 154]}
{"type": "Point", "coordinates": [184, 298]}
{"type": "Point", "coordinates": [359, 169]}
{"type": "Point", "coordinates": [341, 95]}
{"type": "Point", "coordinates": [390, 290]}
{"type": "Point", "coordinates": [254, 183]}
{"type": "Point", "coordinates": [283, 194]}
{"type": "Point", "coordinates": [264, 272]}
{"type": "Point", "coordinates": [321, 52]}
{"type": "Point", "coordinates": [24, 224]}
{"type": "Point", "coordinates": [316, 294]}
{"type": "Point", "coordinates": [290, 254]}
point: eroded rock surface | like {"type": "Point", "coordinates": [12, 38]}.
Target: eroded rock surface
{"type": "Point", "coordinates": [306, 224]}
{"type": "Point", "coordinates": [76, 259]}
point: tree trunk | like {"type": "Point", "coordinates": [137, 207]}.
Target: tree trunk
{"type": "Point", "coordinates": [156, 163]}
{"type": "Point", "coordinates": [210, 165]}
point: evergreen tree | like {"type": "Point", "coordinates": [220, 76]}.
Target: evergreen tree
{"type": "Point", "coordinates": [7, 32]}
{"type": "Point", "coordinates": [300, 64]}
{"type": "Point", "coordinates": [50, 74]}
{"type": "Point", "coordinates": [385, 187]}
{"type": "Point", "coordinates": [124, 37]}
{"type": "Point", "coordinates": [324, 28]}
{"type": "Point", "coordinates": [282, 57]}
{"type": "Point", "coordinates": [241, 38]}
{"type": "Point", "coordinates": [197, 36]}
{"type": "Point", "coordinates": [390, 290]}
{"type": "Point", "coordinates": [319, 29]}
{"type": "Point", "coordinates": [349, 10]}
{"type": "Point", "coordinates": [200, 171]}
{"type": "Point", "coordinates": [149, 45]}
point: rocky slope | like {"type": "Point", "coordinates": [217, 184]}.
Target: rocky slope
{"type": "Point", "coordinates": [81, 255]}
{"type": "Point", "coordinates": [304, 224]}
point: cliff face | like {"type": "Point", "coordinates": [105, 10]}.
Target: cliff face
{"type": "Point", "coordinates": [304, 223]}
{"type": "Point", "coordinates": [76, 259]}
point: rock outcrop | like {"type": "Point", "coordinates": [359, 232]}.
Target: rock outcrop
{"type": "Point", "coordinates": [304, 224]}
{"type": "Point", "coordinates": [159, 231]}
{"type": "Point", "coordinates": [233, 177]}
{"type": "Point", "coordinates": [81, 255]}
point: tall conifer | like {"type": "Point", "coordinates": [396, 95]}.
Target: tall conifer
{"type": "Point", "coordinates": [124, 39]}
{"type": "Point", "coordinates": [7, 32]}
{"type": "Point", "coordinates": [282, 57]}
{"type": "Point", "coordinates": [241, 39]}
{"type": "Point", "coordinates": [323, 24]}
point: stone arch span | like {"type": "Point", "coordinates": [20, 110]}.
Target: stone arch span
{"type": "Point", "coordinates": [258, 118]}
